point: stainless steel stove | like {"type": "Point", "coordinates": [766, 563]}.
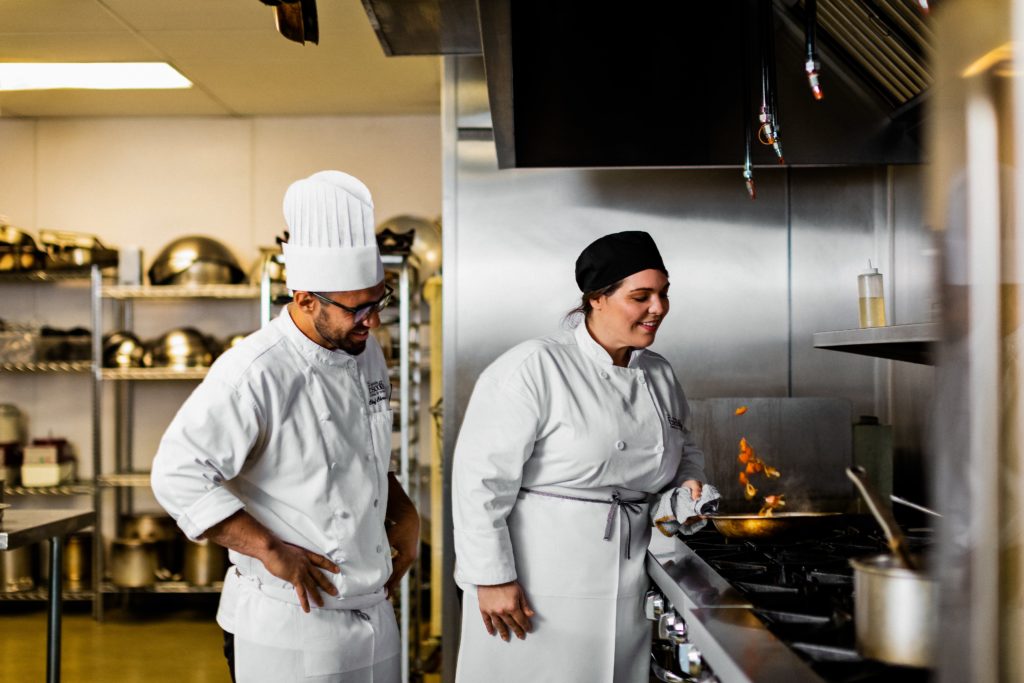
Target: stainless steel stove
{"type": "Point", "coordinates": [740, 611]}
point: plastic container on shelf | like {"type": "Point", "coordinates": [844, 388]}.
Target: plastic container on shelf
{"type": "Point", "coordinates": [871, 298]}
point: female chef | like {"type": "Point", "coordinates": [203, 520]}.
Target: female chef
{"type": "Point", "coordinates": [565, 441]}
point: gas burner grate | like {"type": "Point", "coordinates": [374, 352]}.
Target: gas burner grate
{"type": "Point", "coordinates": [802, 589]}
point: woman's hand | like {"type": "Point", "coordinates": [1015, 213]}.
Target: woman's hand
{"type": "Point", "coordinates": [504, 609]}
{"type": "Point", "coordinates": [695, 488]}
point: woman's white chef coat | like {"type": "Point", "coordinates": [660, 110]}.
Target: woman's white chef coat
{"type": "Point", "coordinates": [300, 437]}
{"type": "Point", "coordinates": [555, 416]}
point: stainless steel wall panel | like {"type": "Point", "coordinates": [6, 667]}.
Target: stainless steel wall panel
{"type": "Point", "coordinates": [914, 275]}
{"type": "Point", "coordinates": [471, 107]}
{"type": "Point", "coordinates": [519, 232]}
{"type": "Point", "coordinates": [915, 286]}
{"type": "Point", "coordinates": [833, 236]}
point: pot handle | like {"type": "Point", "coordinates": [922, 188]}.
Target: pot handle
{"type": "Point", "coordinates": [883, 514]}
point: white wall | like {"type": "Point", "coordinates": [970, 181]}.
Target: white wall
{"type": "Point", "coordinates": [145, 181]}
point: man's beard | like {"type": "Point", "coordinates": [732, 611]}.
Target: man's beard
{"type": "Point", "coordinates": [350, 346]}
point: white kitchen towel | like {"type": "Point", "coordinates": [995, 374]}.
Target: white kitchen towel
{"type": "Point", "coordinates": [677, 512]}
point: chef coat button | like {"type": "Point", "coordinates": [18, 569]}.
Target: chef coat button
{"type": "Point", "coordinates": [604, 375]}
{"type": "Point", "coordinates": [378, 548]}
{"type": "Point", "coordinates": [643, 380]}
{"type": "Point", "coordinates": [375, 501]}
{"type": "Point", "coordinates": [345, 515]}
{"type": "Point", "coordinates": [620, 445]}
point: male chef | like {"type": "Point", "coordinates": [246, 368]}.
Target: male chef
{"type": "Point", "coordinates": [282, 455]}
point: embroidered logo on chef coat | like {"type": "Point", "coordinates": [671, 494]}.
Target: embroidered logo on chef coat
{"type": "Point", "coordinates": [674, 423]}
{"type": "Point", "coordinates": [378, 391]}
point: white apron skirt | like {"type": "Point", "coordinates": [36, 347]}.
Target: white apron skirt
{"type": "Point", "coordinates": [276, 642]}
{"type": "Point", "coordinates": [587, 595]}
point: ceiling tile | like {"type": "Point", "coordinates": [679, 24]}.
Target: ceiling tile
{"type": "Point", "coordinates": [75, 47]}
{"type": "Point", "coordinates": [200, 15]}
{"type": "Point", "coordinates": [56, 16]}
{"type": "Point", "coordinates": [228, 48]}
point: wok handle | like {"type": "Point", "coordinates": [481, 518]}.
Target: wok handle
{"type": "Point", "coordinates": [883, 514]}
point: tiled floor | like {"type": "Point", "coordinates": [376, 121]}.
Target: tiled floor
{"type": "Point", "coordinates": [151, 643]}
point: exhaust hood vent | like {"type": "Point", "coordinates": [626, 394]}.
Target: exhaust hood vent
{"type": "Point", "coordinates": [888, 40]}
{"type": "Point", "coordinates": [670, 84]}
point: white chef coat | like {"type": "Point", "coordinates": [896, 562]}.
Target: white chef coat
{"type": "Point", "coordinates": [300, 437]}
{"type": "Point", "coordinates": [555, 415]}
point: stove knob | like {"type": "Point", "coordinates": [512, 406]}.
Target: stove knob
{"type": "Point", "coordinates": [667, 624]}
{"type": "Point", "coordinates": [677, 632]}
{"type": "Point", "coordinates": [691, 662]}
{"type": "Point", "coordinates": [654, 605]}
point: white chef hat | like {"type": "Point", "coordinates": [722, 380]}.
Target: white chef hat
{"type": "Point", "coordinates": [331, 245]}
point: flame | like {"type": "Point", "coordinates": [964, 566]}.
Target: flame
{"type": "Point", "coordinates": [741, 410]}
{"type": "Point", "coordinates": [771, 503]}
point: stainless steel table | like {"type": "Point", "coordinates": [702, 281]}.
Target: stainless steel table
{"type": "Point", "coordinates": [24, 527]}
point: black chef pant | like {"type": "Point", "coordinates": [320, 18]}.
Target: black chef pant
{"type": "Point", "coordinates": [229, 653]}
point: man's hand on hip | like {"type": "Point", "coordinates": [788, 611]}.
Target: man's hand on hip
{"type": "Point", "coordinates": [298, 566]}
{"type": "Point", "coordinates": [301, 568]}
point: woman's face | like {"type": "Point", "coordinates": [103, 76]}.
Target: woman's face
{"type": "Point", "coordinates": [630, 316]}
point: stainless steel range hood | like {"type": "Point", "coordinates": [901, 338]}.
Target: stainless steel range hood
{"type": "Point", "coordinates": [657, 84]}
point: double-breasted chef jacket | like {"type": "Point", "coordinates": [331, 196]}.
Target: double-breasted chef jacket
{"type": "Point", "coordinates": [552, 432]}
{"type": "Point", "coordinates": [300, 437]}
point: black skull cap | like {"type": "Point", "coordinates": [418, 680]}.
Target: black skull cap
{"type": "Point", "coordinates": [613, 257]}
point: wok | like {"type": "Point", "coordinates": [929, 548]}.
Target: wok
{"type": "Point", "coordinates": [778, 525]}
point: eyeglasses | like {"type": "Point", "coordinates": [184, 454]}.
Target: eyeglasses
{"type": "Point", "coordinates": [361, 313]}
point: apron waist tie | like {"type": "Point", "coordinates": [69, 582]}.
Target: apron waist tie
{"type": "Point", "coordinates": [616, 504]}
{"type": "Point", "coordinates": [355, 603]}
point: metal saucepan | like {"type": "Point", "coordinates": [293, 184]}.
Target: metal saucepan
{"type": "Point", "coordinates": [776, 525]}
{"type": "Point", "coordinates": [894, 597]}
{"type": "Point", "coordinates": [894, 611]}
{"type": "Point", "coordinates": [16, 575]}
{"type": "Point", "coordinates": [205, 562]}
{"type": "Point", "coordinates": [133, 562]}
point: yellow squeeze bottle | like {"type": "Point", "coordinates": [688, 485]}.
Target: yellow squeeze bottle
{"type": "Point", "coordinates": [872, 298]}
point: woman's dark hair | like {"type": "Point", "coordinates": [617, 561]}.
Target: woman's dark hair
{"type": "Point", "coordinates": [572, 318]}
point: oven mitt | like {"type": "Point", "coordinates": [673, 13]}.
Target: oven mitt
{"type": "Point", "coordinates": [677, 513]}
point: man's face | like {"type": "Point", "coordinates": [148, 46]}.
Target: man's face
{"type": "Point", "coordinates": [338, 328]}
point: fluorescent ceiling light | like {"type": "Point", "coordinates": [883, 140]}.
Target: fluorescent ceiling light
{"type": "Point", "coordinates": [91, 76]}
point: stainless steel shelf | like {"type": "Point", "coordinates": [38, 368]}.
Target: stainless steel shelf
{"type": "Point", "coordinates": [45, 275]}
{"type": "Point", "coordinates": [74, 489]}
{"type": "Point", "coordinates": [168, 292]}
{"type": "Point", "coordinates": [154, 374]}
{"type": "Point", "coordinates": [77, 366]}
{"type": "Point", "coordinates": [39, 595]}
{"type": "Point", "coordinates": [176, 587]}
{"type": "Point", "coordinates": [123, 479]}
{"type": "Point", "coordinates": [911, 343]}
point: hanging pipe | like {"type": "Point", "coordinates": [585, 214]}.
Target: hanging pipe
{"type": "Point", "coordinates": [748, 169]}
{"type": "Point", "coordinates": [773, 87]}
{"type": "Point", "coordinates": [766, 131]}
{"type": "Point", "coordinates": [812, 65]}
